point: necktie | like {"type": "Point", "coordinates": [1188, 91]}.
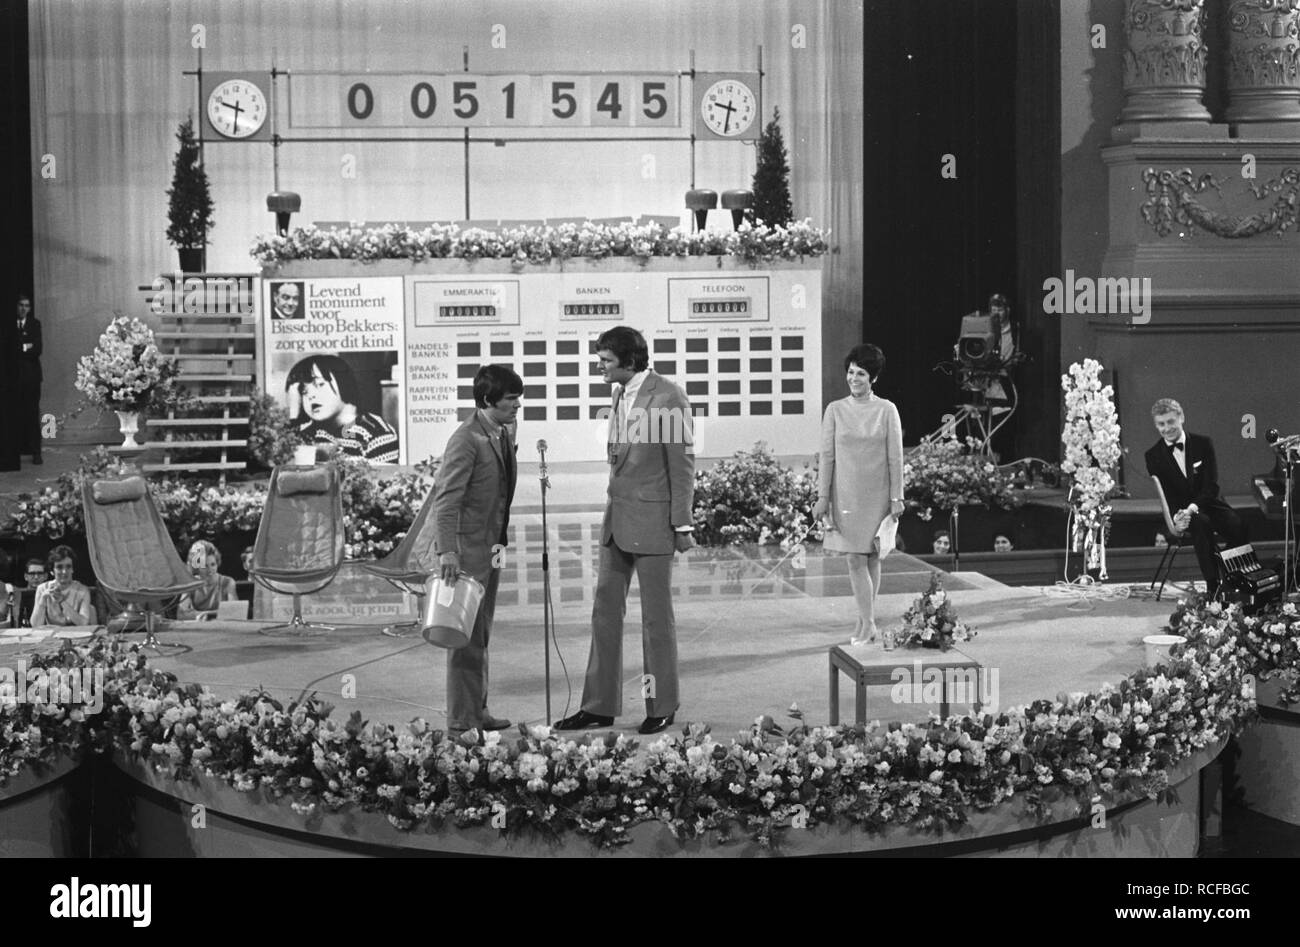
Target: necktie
{"type": "Point", "coordinates": [616, 426]}
{"type": "Point", "coordinates": [508, 455]}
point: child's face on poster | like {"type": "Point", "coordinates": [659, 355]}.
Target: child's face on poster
{"type": "Point", "coordinates": [320, 397]}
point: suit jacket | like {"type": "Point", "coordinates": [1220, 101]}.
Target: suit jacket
{"type": "Point", "coordinates": [652, 476]}
{"type": "Point", "coordinates": [473, 493]}
{"type": "Point", "coordinates": [30, 360]}
{"type": "Point", "coordinates": [1200, 486]}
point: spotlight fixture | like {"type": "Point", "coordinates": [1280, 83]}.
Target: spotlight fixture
{"type": "Point", "coordinates": [701, 200]}
{"type": "Point", "coordinates": [283, 204]}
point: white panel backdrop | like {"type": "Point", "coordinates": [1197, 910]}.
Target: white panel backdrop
{"type": "Point", "coordinates": [108, 93]}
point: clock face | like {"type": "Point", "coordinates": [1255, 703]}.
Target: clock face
{"type": "Point", "coordinates": [729, 107]}
{"type": "Point", "coordinates": [237, 108]}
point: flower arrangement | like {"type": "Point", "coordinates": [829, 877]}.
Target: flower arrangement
{"type": "Point", "coordinates": [126, 372]}
{"type": "Point", "coordinates": [946, 473]}
{"type": "Point", "coordinates": [376, 513]}
{"type": "Point", "coordinates": [539, 246]}
{"type": "Point", "coordinates": [1092, 450]}
{"type": "Point", "coordinates": [1111, 745]}
{"type": "Point", "coordinates": [753, 498]}
{"type": "Point", "coordinates": [931, 621]}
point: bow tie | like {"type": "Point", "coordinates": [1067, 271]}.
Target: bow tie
{"type": "Point", "coordinates": [1173, 447]}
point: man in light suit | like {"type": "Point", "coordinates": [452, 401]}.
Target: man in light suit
{"type": "Point", "coordinates": [647, 521]}
{"type": "Point", "coordinates": [1189, 476]}
{"type": "Point", "coordinates": [475, 486]}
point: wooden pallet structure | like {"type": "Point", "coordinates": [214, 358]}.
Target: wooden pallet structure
{"type": "Point", "coordinates": [214, 339]}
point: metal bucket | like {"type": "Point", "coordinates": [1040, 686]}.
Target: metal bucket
{"type": "Point", "coordinates": [451, 610]}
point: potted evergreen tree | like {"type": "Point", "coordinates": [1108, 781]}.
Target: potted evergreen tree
{"type": "Point", "coordinates": [190, 212]}
{"type": "Point", "coordinates": [771, 178]}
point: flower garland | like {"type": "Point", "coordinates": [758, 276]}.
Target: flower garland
{"type": "Point", "coordinates": [539, 246]}
{"type": "Point", "coordinates": [1092, 450]}
{"type": "Point", "coordinates": [1086, 747]}
{"type": "Point", "coordinates": [126, 371]}
{"type": "Point", "coordinates": [931, 621]}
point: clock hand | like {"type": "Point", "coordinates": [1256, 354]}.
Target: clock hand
{"type": "Point", "coordinates": [237, 110]}
{"type": "Point", "coordinates": [728, 108]}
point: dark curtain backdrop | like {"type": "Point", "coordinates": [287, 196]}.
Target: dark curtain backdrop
{"type": "Point", "coordinates": [15, 190]}
{"type": "Point", "coordinates": [938, 82]}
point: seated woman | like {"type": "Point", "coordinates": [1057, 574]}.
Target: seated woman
{"type": "Point", "coordinates": [204, 560]}
{"type": "Point", "coordinates": [62, 600]}
{"type": "Point", "coordinates": [322, 395]}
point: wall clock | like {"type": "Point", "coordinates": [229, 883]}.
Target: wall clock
{"type": "Point", "coordinates": [729, 108]}
{"type": "Point", "coordinates": [237, 108]}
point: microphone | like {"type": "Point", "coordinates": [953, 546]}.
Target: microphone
{"type": "Point", "coordinates": [541, 466]}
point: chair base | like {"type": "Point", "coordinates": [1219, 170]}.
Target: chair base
{"type": "Point", "coordinates": [132, 618]}
{"type": "Point", "coordinates": [296, 627]}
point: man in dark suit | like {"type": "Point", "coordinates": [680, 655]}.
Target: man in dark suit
{"type": "Point", "coordinates": [1185, 466]}
{"type": "Point", "coordinates": [475, 486]}
{"type": "Point", "coordinates": [647, 520]}
{"type": "Point", "coordinates": [29, 381]}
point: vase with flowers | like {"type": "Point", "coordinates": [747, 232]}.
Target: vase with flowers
{"type": "Point", "coordinates": [1092, 450]}
{"type": "Point", "coordinates": [126, 374]}
{"type": "Point", "coordinates": [931, 621]}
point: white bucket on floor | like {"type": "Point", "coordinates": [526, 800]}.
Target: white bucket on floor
{"type": "Point", "coordinates": [1158, 648]}
{"type": "Point", "coordinates": [451, 610]}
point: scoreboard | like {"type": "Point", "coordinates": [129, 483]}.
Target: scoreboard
{"type": "Point", "coordinates": [744, 344]}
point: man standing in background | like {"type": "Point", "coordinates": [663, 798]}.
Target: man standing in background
{"type": "Point", "coordinates": [29, 381]}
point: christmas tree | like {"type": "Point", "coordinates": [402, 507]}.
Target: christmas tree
{"type": "Point", "coordinates": [771, 178]}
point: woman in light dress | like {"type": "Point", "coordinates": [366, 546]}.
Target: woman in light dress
{"type": "Point", "coordinates": [861, 478]}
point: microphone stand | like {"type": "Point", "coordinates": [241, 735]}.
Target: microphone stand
{"type": "Point", "coordinates": [546, 579]}
{"type": "Point", "coordinates": [1288, 578]}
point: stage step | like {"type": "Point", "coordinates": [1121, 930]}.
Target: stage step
{"type": "Point", "coordinates": [195, 422]}
{"type": "Point", "coordinates": [244, 318]}
{"type": "Point", "coordinates": [186, 445]}
{"type": "Point", "coordinates": [213, 356]}
{"type": "Point", "coordinates": [206, 465]}
{"type": "Point", "coordinates": [205, 377]}
{"type": "Point", "coordinates": [219, 336]}
{"type": "Point", "coordinates": [222, 399]}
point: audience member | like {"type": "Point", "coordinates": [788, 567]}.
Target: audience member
{"type": "Point", "coordinates": [204, 560]}
{"type": "Point", "coordinates": [62, 600]}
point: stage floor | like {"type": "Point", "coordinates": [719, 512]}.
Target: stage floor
{"type": "Point", "coordinates": [757, 648]}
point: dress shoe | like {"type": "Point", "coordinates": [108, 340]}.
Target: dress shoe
{"type": "Point", "coordinates": [582, 720]}
{"type": "Point", "coordinates": [494, 723]}
{"type": "Point", "coordinates": [655, 724]}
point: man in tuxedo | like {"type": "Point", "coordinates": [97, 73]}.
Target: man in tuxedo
{"type": "Point", "coordinates": [647, 520]}
{"type": "Point", "coordinates": [475, 486]}
{"type": "Point", "coordinates": [1185, 466]}
{"type": "Point", "coordinates": [29, 381]}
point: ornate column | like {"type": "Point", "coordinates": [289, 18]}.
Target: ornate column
{"type": "Point", "coordinates": [1164, 62]}
{"type": "Point", "coordinates": [1264, 61]}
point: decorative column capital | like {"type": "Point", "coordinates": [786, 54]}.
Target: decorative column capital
{"type": "Point", "coordinates": [1264, 61]}
{"type": "Point", "coordinates": [1164, 61]}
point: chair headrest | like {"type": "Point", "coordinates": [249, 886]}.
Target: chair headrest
{"type": "Point", "coordinates": [105, 492]}
{"type": "Point", "coordinates": [316, 480]}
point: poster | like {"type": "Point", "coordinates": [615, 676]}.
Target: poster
{"type": "Point", "coordinates": [335, 359]}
